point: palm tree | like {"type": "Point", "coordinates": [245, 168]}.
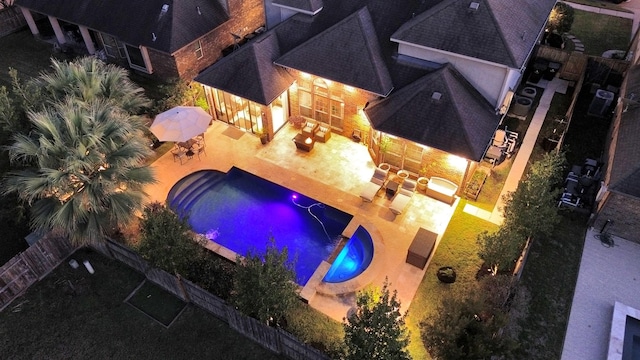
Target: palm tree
{"type": "Point", "coordinates": [85, 169]}
{"type": "Point", "coordinates": [88, 79]}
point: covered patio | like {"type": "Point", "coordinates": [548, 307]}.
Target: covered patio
{"type": "Point", "coordinates": [333, 173]}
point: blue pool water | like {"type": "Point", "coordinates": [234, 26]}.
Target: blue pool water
{"type": "Point", "coordinates": [353, 259]}
{"type": "Point", "coordinates": [240, 211]}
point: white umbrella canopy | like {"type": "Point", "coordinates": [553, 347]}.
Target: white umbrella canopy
{"type": "Point", "coordinates": [180, 123]}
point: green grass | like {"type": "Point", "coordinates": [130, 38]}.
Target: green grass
{"type": "Point", "coordinates": [74, 315]}
{"type": "Point", "coordinates": [600, 33]}
{"type": "Point", "coordinates": [156, 302]}
{"type": "Point", "coordinates": [315, 328]}
{"type": "Point", "coordinates": [550, 275]}
{"type": "Point", "coordinates": [457, 249]}
{"type": "Point", "coordinates": [603, 4]}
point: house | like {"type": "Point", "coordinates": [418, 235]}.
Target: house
{"type": "Point", "coordinates": [618, 201]}
{"type": "Point", "coordinates": [162, 38]}
{"type": "Point", "coordinates": [424, 85]}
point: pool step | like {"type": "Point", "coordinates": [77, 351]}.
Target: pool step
{"type": "Point", "coordinates": [193, 190]}
{"type": "Point", "coordinates": [186, 186]}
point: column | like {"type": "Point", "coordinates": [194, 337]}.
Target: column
{"type": "Point", "coordinates": [91, 48]}
{"type": "Point", "coordinates": [57, 30]}
{"type": "Point", "coordinates": [32, 24]}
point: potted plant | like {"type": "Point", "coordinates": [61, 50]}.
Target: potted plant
{"type": "Point", "coordinates": [264, 137]}
{"type": "Point", "coordinates": [446, 274]}
{"type": "Point", "coordinates": [423, 180]}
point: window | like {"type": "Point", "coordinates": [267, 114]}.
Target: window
{"type": "Point", "coordinates": [198, 49]}
{"type": "Point", "coordinates": [305, 103]}
{"type": "Point", "coordinates": [111, 46]}
{"type": "Point", "coordinates": [319, 101]}
{"type": "Point", "coordinates": [413, 158]}
{"type": "Point", "coordinates": [138, 58]}
{"type": "Point", "coordinates": [337, 112]}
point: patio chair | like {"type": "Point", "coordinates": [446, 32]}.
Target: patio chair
{"type": "Point", "coordinates": [198, 149]}
{"type": "Point", "coordinates": [323, 134]}
{"type": "Point", "coordinates": [310, 128]}
{"type": "Point", "coordinates": [374, 185]}
{"type": "Point", "coordinates": [179, 154]}
{"type": "Point", "coordinates": [403, 196]}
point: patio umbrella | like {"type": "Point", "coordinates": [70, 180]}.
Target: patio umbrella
{"type": "Point", "coordinates": [180, 123]}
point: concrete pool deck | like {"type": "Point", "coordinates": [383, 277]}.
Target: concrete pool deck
{"type": "Point", "coordinates": [333, 173]}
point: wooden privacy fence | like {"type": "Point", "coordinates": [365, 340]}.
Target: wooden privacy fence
{"type": "Point", "coordinates": [277, 340]}
{"type": "Point", "coordinates": [30, 266]}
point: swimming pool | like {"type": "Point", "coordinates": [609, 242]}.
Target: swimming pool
{"type": "Point", "coordinates": [240, 211]}
{"type": "Point", "coordinates": [353, 259]}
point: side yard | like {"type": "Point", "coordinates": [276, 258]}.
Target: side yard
{"type": "Point", "coordinates": [74, 315]}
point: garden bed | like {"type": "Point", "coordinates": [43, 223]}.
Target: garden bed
{"type": "Point", "coordinates": [475, 184]}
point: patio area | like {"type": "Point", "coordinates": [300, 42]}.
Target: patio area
{"type": "Point", "coordinates": [334, 173]}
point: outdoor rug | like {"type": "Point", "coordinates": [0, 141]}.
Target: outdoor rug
{"type": "Point", "coordinates": [233, 133]}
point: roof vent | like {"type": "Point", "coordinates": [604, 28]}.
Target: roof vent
{"type": "Point", "coordinates": [474, 6]}
{"type": "Point", "coordinates": [436, 95]}
{"type": "Point", "coordinates": [165, 8]}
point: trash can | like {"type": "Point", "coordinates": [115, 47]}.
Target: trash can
{"type": "Point", "coordinates": [552, 70]}
{"type": "Point", "coordinates": [539, 68]}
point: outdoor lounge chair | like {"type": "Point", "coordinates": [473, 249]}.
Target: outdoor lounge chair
{"type": "Point", "coordinates": [310, 128]}
{"type": "Point", "coordinates": [403, 196]}
{"type": "Point", "coordinates": [374, 185]}
{"type": "Point", "coordinates": [323, 134]}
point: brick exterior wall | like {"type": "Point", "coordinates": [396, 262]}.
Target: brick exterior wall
{"type": "Point", "coordinates": [622, 210]}
{"type": "Point", "coordinates": [246, 16]}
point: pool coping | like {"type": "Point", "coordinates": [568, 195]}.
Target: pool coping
{"type": "Point", "coordinates": [315, 283]}
{"type": "Point", "coordinates": [618, 325]}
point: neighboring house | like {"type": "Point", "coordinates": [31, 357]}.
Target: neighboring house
{"type": "Point", "coordinates": [618, 207]}
{"type": "Point", "coordinates": [165, 38]}
{"type": "Point", "coordinates": [423, 84]}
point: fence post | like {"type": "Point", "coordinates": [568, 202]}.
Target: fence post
{"type": "Point", "coordinates": [182, 289]}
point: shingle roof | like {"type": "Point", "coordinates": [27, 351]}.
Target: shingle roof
{"type": "Point", "coordinates": [310, 6]}
{"type": "Point", "coordinates": [460, 121]}
{"type": "Point", "coordinates": [251, 74]}
{"type": "Point", "coordinates": [499, 31]}
{"type": "Point", "coordinates": [136, 22]}
{"type": "Point", "coordinates": [347, 52]}
{"type": "Point", "coordinates": [625, 165]}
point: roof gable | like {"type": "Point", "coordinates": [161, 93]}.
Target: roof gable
{"type": "Point", "coordinates": [307, 6]}
{"type": "Point", "coordinates": [334, 53]}
{"type": "Point", "coordinates": [139, 22]}
{"type": "Point", "coordinates": [440, 110]}
{"type": "Point", "coordinates": [498, 31]}
{"type": "Point", "coordinates": [249, 72]}
{"type": "Point", "coordinates": [624, 168]}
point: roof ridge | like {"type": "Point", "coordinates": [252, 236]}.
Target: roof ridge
{"type": "Point", "coordinates": [505, 43]}
{"type": "Point", "coordinates": [451, 70]}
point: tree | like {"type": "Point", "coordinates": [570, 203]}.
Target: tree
{"type": "Point", "coordinates": [561, 18]}
{"type": "Point", "coordinates": [264, 285]}
{"type": "Point", "coordinates": [166, 240]}
{"type": "Point", "coordinates": [480, 324]}
{"type": "Point", "coordinates": [376, 330]}
{"type": "Point", "coordinates": [88, 79]}
{"type": "Point", "coordinates": [168, 243]}
{"type": "Point", "coordinates": [528, 211]}
{"type": "Point", "coordinates": [84, 170]}
{"type": "Point", "coordinates": [532, 208]}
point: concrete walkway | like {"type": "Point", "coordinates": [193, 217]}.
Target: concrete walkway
{"type": "Point", "coordinates": [524, 152]}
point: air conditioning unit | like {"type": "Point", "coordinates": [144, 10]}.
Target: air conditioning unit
{"type": "Point", "coordinates": [601, 102]}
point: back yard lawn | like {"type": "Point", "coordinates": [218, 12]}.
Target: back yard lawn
{"type": "Point", "coordinates": [600, 33]}
{"type": "Point", "coordinates": [74, 315]}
